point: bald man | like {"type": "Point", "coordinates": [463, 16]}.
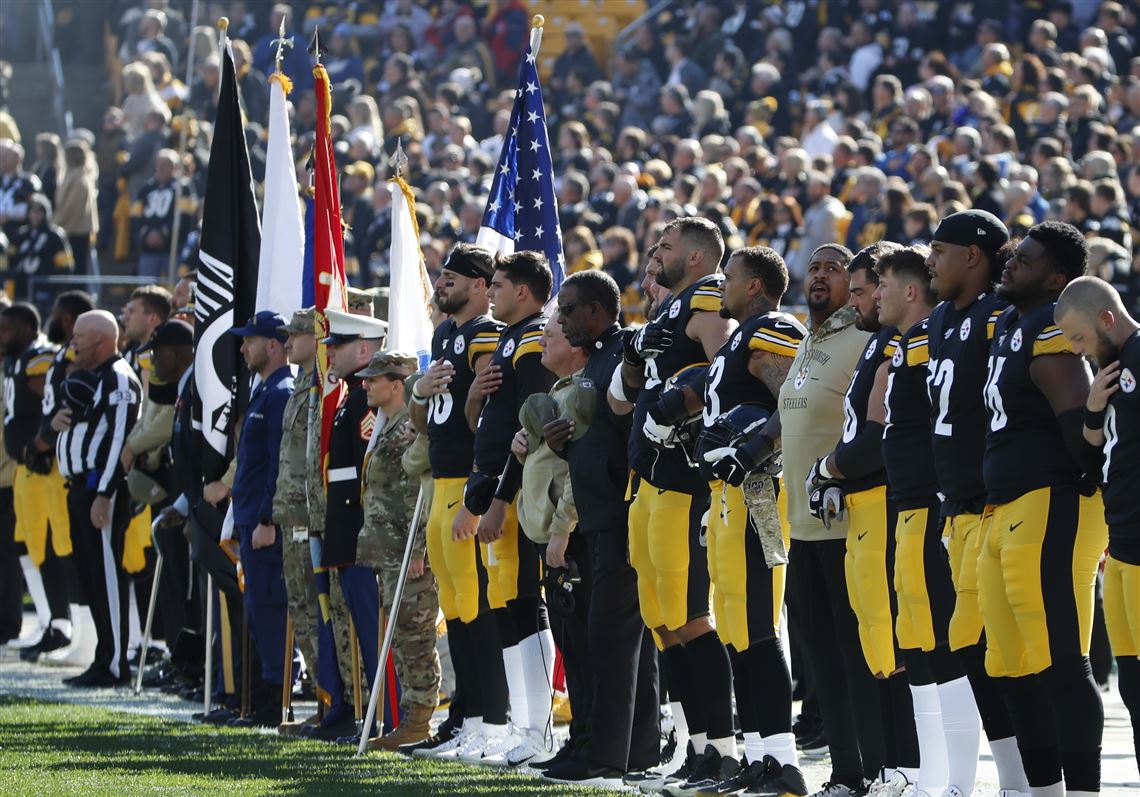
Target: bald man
{"type": "Point", "coordinates": [100, 405]}
{"type": "Point", "coordinates": [1092, 317]}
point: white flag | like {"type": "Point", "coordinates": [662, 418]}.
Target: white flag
{"type": "Point", "coordinates": [282, 263]}
{"type": "Point", "coordinates": [409, 308]}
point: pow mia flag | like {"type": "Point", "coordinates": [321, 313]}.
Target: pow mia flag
{"type": "Point", "coordinates": [227, 280]}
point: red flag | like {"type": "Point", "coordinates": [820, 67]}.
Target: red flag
{"type": "Point", "coordinates": [328, 254]}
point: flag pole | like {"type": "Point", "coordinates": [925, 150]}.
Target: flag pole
{"type": "Point", "coordinates": [390, 627]}
{"type": "Point", "coordinates": [183, 139]}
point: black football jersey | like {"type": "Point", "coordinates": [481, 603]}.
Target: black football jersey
{"type": "Point", "coordinates": [23, 408]}
{"type": "Point", "coordinates": [1025, 449]}
{"type": "Point", "coordinates": [907, 451]}
{"type": "Point", "coordinates": [729, 382]}
{"type": "Point", "coordinates": [669, 468]}
{"type": "Point", "coordinates": [959, 345]}
{"type": "Point", "coordinates": [451, 443]}
{"type": "Point", "coordinates": [1122, 458]}
{"type": "Point", "coordinates": [519, 357]}
{"type": "Point", "coordinates": [879, 349]}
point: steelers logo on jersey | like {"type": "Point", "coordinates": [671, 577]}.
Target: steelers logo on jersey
{"type": "Point", "coordinates": [675, 308]}
{"type": "Point", "coordinates": [1015, 344]}
{"type": "Point", "coordinates": [897, 360]}
{"type": "Point", "coordinates": [871, 350]}
{"type": "Point", "coordinates": [459, 345]}
{"type": "Point", "coordinates": [736, 340]}
{"type": "Point", "coordinates": [802, 377]}
{"type": "Point", "coordinates": [509, 349]}
{"type": "Point", "coordinates": [1127, 380]}
{"type": "Point", "coordinates": [964, 332]}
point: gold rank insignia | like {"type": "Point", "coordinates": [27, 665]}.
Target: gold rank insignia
{"type": "Point", "coordinates": [367, 424]}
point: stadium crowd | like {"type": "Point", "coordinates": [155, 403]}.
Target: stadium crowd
{"type": "Point", "coordinates": [853, 161]}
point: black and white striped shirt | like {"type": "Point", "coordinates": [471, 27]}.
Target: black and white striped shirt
{"type": "Point", "coordinates": [95, 441]}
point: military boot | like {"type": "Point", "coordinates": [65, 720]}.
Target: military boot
{"type": "Point", "coordinates": [415, 727]}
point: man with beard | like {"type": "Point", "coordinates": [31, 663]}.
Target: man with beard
{"type": "Point", "coordinates": [965, 261]}
{"type": "Point", "coordinates": [670, 499]}
{"type": "Point", "coordinates": [624, 732]}
{"type": "Point", "coordinates": [461, 348]}
{"type": "Point", "coordinates": [40, 496]}
{"type": "Point", "coordinates": [852, 478]}
{"type": "Point", "coordinates": [1094, 321]}
{"type": "Point", "coordinates": [1046, 524]}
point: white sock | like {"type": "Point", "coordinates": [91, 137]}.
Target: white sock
{"type": "Point", "coordinates": [63, 625]}
{"type": "Point", "coordinates": [134, 628]}
{"type": "Point", "coordinates": [680, 724]}
{"type": "Point", "coordinates": [782, 747]}
{"type": "Point", "coordinates": [962, 728]}
{"type": "Point", "coordinates": [726, 746]}
{"type": "Point", "coordinates": [700, 742]}
{"type": "Point", "coordinates": [493, 731]}
{"type": "Point", "coordinates": [516, 683]}
{"type": "Point", "coordinates": [931, 740]}
{"type": "Point", "coordinates": [1007, 759]}
{"type": "Point", "coordinates": [472, 724]}
{"type": "Point", "coordinates": [1056, 790]}
{"type": "Point", "coordinates": [753, 747]}
{"type": "Point", "coordinates": [538, 671]}
{"type": "Point", "coordinates": [1073, 793]}
{"type": "Point", "coordinates": [35, 584]}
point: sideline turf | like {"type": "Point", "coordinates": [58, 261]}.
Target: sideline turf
{"type": "Point", "coordinates": [63, 750]}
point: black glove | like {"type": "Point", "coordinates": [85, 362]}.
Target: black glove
{"type": "Point", "coordinates": [669, 409]}
{"type": "Point", "coordinates": [479, 492]}
{"type": "Point", "coordinates": [37, 461]}
{"type": "Point", "coordinates": [732, 465]}
{"type": "Point", "coordinates": [645, 343]}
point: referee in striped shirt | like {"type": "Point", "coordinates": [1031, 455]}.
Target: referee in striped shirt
{"type": "Point", "coordinates": [100, 407]}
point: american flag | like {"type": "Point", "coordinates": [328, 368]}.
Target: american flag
{"type": "Point", "coordinates": [522, 211]}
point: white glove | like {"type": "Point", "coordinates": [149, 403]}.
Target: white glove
{"type": "Point", "coordinates": [657, 433]}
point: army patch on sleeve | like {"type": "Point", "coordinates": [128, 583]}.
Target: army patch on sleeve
{"type": "Point", "coordinates": [367, 424]}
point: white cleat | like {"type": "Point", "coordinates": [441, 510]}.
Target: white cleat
{"type": "Point", "coordinates": [495, 749]}
{"type": "Point", "coordinates": [448, 748]}
{"type": "Point", "coordinates": [531, 748]}
{"type": "Point", "coordinates": [32, 637]}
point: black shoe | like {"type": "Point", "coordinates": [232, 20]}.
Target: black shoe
{"type": "Point", "coordinates": [99, 678]}
{"type": "Point", "coordinates": [332, 731]}
{"type": "Point", "coordinates": [53, 639]}
{"type": "Point", "coordinates": [711, 770]}
{"type": "Point", "coordinates": [779, 780]}
{"type": "Point", "coordinates": [668, 746]}
{"type": "Point", "coordinates": [217, 716]}
{"type": "Point", "coordinates": [265, 717]}
{"type": "Point", "coordinates": [746, 777]}
{"type": "Point", "coordinates": [443, 734]}
{"type": "Point", "coordinates": [82, 676]}
{"type": "Point", "coordinates": [815, 747]}
{"type": "Point", "coordinates": [577, 769]}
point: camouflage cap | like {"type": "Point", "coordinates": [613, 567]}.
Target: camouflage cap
{"type": "Point", "coordinates": [359, 301]}
{"type": "Point", "coordinates": [380, 297]}
{"type": "Point", "coordinates": [390, 363]}
{"type": "Point", "coordinates": [580, 404]}
{"type": "Point", "coordinates": [303, 322]}
{"type": "Point", "coordinates": [538, 410]}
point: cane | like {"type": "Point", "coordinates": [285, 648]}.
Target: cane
{"type": "Point", "coordinates": [390, 628]}
{"type": "Point", "coordinates": [287, 681]}
{"type": "Point", "coordinates": [209, 689]}
{"type": "Point", "coordinates": [150, 611]}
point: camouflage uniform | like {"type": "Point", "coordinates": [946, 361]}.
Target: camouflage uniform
{"type": "Point", "coordinates": [389, 503]}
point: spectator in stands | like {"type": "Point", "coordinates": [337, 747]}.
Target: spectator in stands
{"type": "Point", "coordinates": [38, 249]}
{"type": "Point", "coordinates": [575, 57]}
{"type": "Point", "coordinates": [48, 166]}
{"type": "Point", "coordinates": [683, 70]}
{"type": "Point", "coordinates": [161, 197]}
{"type": "Point", "coordinates": [141, 99]}
{"type": "Point", "coordinates": [77, 211]}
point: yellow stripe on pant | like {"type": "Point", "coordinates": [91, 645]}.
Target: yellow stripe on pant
{"type": "Point", "coordinates": [659, 553]}
{"type": "Point", "coordinates": [965, 533]}
{"type": "Point", "coordinates": [40, 503]}
{"type": "Point", "coordinates": [502, 561]}
{"type": "Point", "coordinates": [452, 561]}
{"type": "Point", "coordinates": [914, 626]}
{"type": "Point", "coordinates": [1010, 575]}
{"type": "Point", "coordinates": [1122, 606]}
{"type": "Point", "coordinates": [730, 567]}
{"type": "Point", "coordinates": [866, 568]}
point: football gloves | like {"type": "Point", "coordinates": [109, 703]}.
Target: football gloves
{"type": "Point", "coordinates": [732, 465]}
{"type": "Point", "coordinates": [645, 343]}
{"type": "Point", "coordinates": [38, 461]}
{"type": "Point", "coordinates": [663, 416]}
{"type": "Point", "coordinates": [827, 502]}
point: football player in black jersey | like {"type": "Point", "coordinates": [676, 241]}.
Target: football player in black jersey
{"type": "Point", "coordinates": [666, 516]}
{"type": "Point", "coordinates": [1046, 531]}
{"type": "Point", "coordinates": [967, 255]}
{"type": "Point", "coordinates": [748, 581]}
{"type": "Point", "coordinates": [856, 465]}
{"type": "Point", "coordinates": [944, 711]}
{"type": "Point", "coordinates": [461, 348]}
{"type": "Point", "coordinates": [519, 288]}
{"type": "Point", "coordinates": [1092, 317]}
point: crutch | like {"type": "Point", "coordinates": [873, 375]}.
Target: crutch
{"type": "Point", "coordinates": [390, 628]}
{"type": "Point", "coordinates": [150, 610]}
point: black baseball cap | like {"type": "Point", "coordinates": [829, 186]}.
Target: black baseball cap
{"type": "Point", "coordinates": [978, 228]}
{"type": "Point", "coordinates": [171, 333]}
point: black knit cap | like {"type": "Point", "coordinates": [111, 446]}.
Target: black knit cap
{"type": "Point", "coordinates": [973, 228]}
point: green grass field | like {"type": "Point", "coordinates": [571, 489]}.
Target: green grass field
{"type": "Point", "coordinates": [63, 750]}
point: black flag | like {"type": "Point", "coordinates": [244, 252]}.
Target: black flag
{"type": "Point", "coordinates": [227, 280]}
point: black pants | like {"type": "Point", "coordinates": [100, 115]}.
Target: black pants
{"type": "Point", "coordinates": [848, 694]}
{"type": "Point", "coordinates": [81, 251]}
{"type": "Point", "coordinates": [571, 636]}
{"type": "Point", "coordinates": [11, 575]}
{"type": "Point", "coordinates": [625, 719]}
{"type": "Point", "coordinates": [98, 559]}
{"type": "Point", "coordinates": [174, 582]}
